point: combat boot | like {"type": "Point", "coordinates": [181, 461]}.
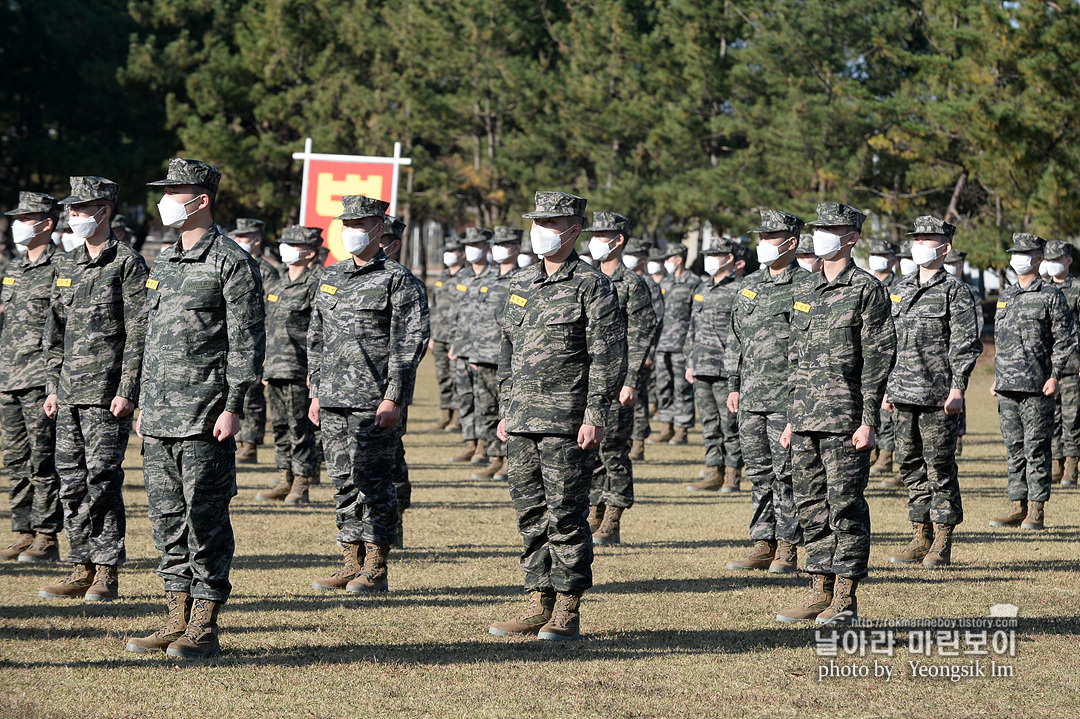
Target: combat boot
{"type": "Point", "coordinates": [596, 517]}
{"type": "Point", "coordinates": [106, 586]}
{"type": "Point", "coordinates": [489, 472]}
{"type": "Point", "coordinates": [247, 453]}
{"type": "Point", "coordinates": [44, 548]}
{"type": "Point", "coordinates": [940, 554]}
{"type": "Point", "coordinates": [712, 481]}
{"type": "Point", "coordinates": [679, 437]}
{"type": "Point", "coordinates": [844, 606]}
{"type": "Point", "coordinates": [1068, 474]}
{"type": "Point", "coordinates": [892, 482]}
{"type": "Point", "coordinates": [73, 585]}
{"type": "Point", "coordinates": [480, 453]}
{"type": "Point", "coordinates": [564, 621]}
{"type": "Point", "coordinates": [536, 614]}
{"type": "Point", "coordinates": [786, 560]}
{"type": "Point", "coordinates": [821, 596]}
{"type": "Point", "coordinates": [400, 543]}
{"type": "Point", "coordinates": [637, 450]}
{"type": "Point", "coordinates": [922, 536]}
{"type": "Point", "coordinates": [653, 410]}
{"type": "Point", "coordinates": [1057, 468]}
{"type": "Point", "coordinates": [455, 422]}
{"type": "Point", "coordinates": [1035, 518]}
{"type": "Point", "coordinates": [760, 556]}
{"type": "Point", "coordinates": [504, 471]}
{"type": "Point", "coordinates": [283, 474]}
{"type": "Point", "coordinates": [200, 637]}
{"type": "Point", "coordinates": [299, 492]}
{"type": "Point", "coordinates": [466, 454]}
{"type": "Point", "coordinates": [348, 571]}
{"type": "Point", "coordinates": [179, 604]}
{"type": "Point", "coordinates": [883, 465]}
{"type": "Point", "coordinates": [609, 528]}
{"type": "Point", "coordinates": [372, 577]}
{"type": "Point", "coordinates": [445, 415]}
{"type": "Point", "coordinates": [1014, 517]}
{"type": "Point", "coordinates": [732, 478]}
{"type": "Point", "coordinates": [665, 436]}
{"type": "Point", "coordinates": [22, 542]}
{"type": "Point", "coordinates": [280, 491]}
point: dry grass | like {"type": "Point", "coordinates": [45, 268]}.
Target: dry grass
{"type": "Point", "coordinates": [669, 630]}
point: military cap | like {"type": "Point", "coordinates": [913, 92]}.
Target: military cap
{"type": "Point", "coordinates": [249, 226]}
{"type": "Point", "coordinates": [777, 221]}
{"type": "Point", "coordinates": [452, 246]}
{"type": "Point", "coordinates": [119, 221]}
{"type": "Point", "coordinates": [506, 234]}
{"type": "Point", "coordinates": [610, 222]}
{"type": "Point", "coordinates": [394, 227]}
{"type": "Point", "coordinates": [883, 247]}
{"type": "Point", "coordinates": [636, 245]}
{"type": "Point", "coordinates": [557, 204]}
{"type": "Point", "coordinates": [927, 225]}
{"type": "Point", "coordinates": [837, 213]}
{"type": "Point", "coordinates": [300, 235]}
{"type": "Point", "coordinates": [477, 234]}
{"type": "Point", "coordinates": [190, 172]}
{"type": "Point", "coordinates": [65, 221]}
{"type": "Point", "coordinates": [954, 256]}
{"type": "Point", "coordinates": [87, 188]}
{"type": "Point", "coordinates": [905, 250]}
{"type": "Point", "coordinates": [657, 255]}
{"type": "Point", "coordinates": [33, 202]}
{"type": "Point", "coordinates": [805, 246]}
{"type": "Point", "coordinates": [357, 207]}
{"type": "Point", "coordinates": [722, 246]}
{"type": "Point", "coordinates": [675, 249]}
{"type": "Point", "coordinates": [1026, 242]}
{"type": "Point", "coordinates": [1057, 248]}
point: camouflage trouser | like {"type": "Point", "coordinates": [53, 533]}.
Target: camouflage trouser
{"type": "Point", "coordinates": [28, 437]}
{"type": "Point", "coordinates": [402, 485]}
{"type": "Point", "coordinates": [674, 395]}
{"type": "Point", "coordinates": [549, 480]}
{"type": "Point", "coordinates": [486, 400]}
{"type": "Point", "coordinates": [189, 485]}
{"type": "Point", "coordinates": [719, 427]}
{"type": "Point", "coordinates": [90, 448]}
{"type": "Point", "coordinates": [641, 407]}
{"type": "Point", "coordinates": [829, 478]}
{"type": "Point", "coordinates": [361, 460]}
{"type": "Point", "coordinates": [926, 453]}
{"type": "Point", "coordinates": [961, 425]}
{"type": "Point", "coordinates": [613, 476]}
{"type": "Point", "coordinates": [768, 467]}
{"type": "Point", "coordinates": [253, 424]}
{"type": "Point", "coordinates": [1067, 417]}
{"type": "Point", "coordinates": [464, 380]}
{"type": "Point", "coordinates": [886, 431]}
{"type": "Point", "coordinates": [294, 434]}
{"type": "Point", "coordinates": [1027, 425]}
{"type": "Point", "coordinates": [444, 375]}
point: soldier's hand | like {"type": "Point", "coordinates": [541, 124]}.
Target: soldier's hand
{"type": "Point", "coordinates": [785, 438]}
{"type": "Point", "coordinates": [266, 383]}
{"type": "Point", "coordinates": [451, 356]}
{"type": "Point", "coordinates": [227, 425]}
{"type": "Point", "coordinates": [887, 405]}
{"type": "Point", "coordinates": [993, 388]}
{"type": "Point", "coordinates": [50, 406]}
{"type": "Point", "coordinates": [627, 396]}
{"type": "Point", "coordinates": [649, 362]}
{"type": "Point", "coordinates": [500, 431]}
{"type": "Point", "coordinates": [689, 375]}
{"type": "Point", "coordinates": [1050, 388]}
{"type": "Point", "coordinates": [388, 414]}
{"type": "Point", "coordinates": [733, 402]}
{"type": "Point", "coordinates": [430, 345]}
{"type": "Point", "coordinates": [955, 402]}
{"type": "Point", "coordinates": [863, 438]}
{"type": "Point", "coordinates": [313, 411]}
{"type": "Point", "coordinates": [121, 407]}
{"type": "Point", "coordinates": [138, 426]}
{"type": "Point", "coordinates": [590, 436]}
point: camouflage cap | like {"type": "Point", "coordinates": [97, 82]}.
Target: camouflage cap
{"type": "Point", "coordinates": [954, 256]}
{"type": "Point", "coordinates": [883, 247]}
{"type": "Point", "coordinates": [557, 204]}
{"type": "Point", "coordinates": [637, 246]}
{"type": "Point", "coordinates": [657, 255]}
{"type": "Point", "coordinates": [452, 246]}
{"type": "Point", "coordinates": [675, 249]}
{"type": "Point", "coordinates": [249, 226]}
{"type": "Point", "coordinates": [87, 188]}
{"type": "Point", "coordinates": [610, 222]}
{"type": "Point", "coordinates": [1026, 242]}
{"type": "Point", "coordinates": [33, 202]}
{"type": "Point", "coordinates": [905, 250]}
{"type": "Point", "coordinates": [190, 172]}
{"type": "Point", "coordinates": [927, 225]}
{"type": "Point", "coordinates": [805, 246]}
{"type": "Point", "coordinates": [777, 221]}
{"type": "Point", "coordinates": [1057, 248]}
{"type": "Point", "coordinates": [357, 207]}
{"type": "Point", "coordinates": [300, 235]}
{"type": "Point", "coordinates": [477, 234]}
{"type": "Point", "coordinates": [506, 234]}
{"type": "Point", "coordinates": [722, 246]}
{"type": "Point", "coordinates": [65, 221]}
{"type": "Point", "coordinates": [831, 214]}
{"type": "Point", "coordinates": [119, 221]}
{"type": "Point", "coordinates": [394, 227]}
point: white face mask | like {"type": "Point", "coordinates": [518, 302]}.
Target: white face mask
{"type": "Point", "coordinates": [56, 238]}
{"type": "Point", "coordinates": [878, 263]}
{"type": "Point", "coordinates": [289, 255]}
{"type": "Point", "coordinates": [653, 267]}
{"type": "Point", "coordinates": [1023, 264]}
{"type": "Point", "coordinates": [69, 241]}
{"type": "Point", "coordinates": [712, 264]}
{"type": "Point", "coordinates": [450, 258]}
{"type": "Point", "coordinates": [500, 253]}
{"type": "Point", "coordinates": [827, 244]}
{"type": "Point", "coordinates": [473, 253]}
{"type": "Point", "coordinates": [83, 227]}
{"type": "Point", "coordinates": [599, 249]}
{"type": "Point", "coordinates": [907, 266]}
{"type": "Point", "coordinates": [1052, 268]}
{"type": "Point", "coordinates": [923, 255]}
{"type": "Point", "coordinates": [354, 240]}
{"type": "Point", "coordinates": [951, 269]}
{"type": "Point", "coordinates": [670, 267]}
{"type": "Point", "coordinates": [524, 261]}
{"type": "Point", "coordinates": [807, 265]}
{"type": "Point", "coordinates": [23, 233]}
{"type": "Point", "coordinates": [587, 260]}
{"type": "Point", "coordinates": [173, 213]}
{"type": "Point", "coordinates": [767, 252]}
{"type": "Point", "coordinates": [21, 249]}
{"type": "Point", "coordinates": [631, 261]}
{"type": "Point", "coordinates": [245, 246]}
{"type": "Point", "coordinates": [546, 241]}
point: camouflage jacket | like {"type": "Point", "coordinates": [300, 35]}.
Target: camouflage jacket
{"type": "Point", "coordinates": [889, 281]}
{"type": "Point", "coordinates": [563, 355]}
{"type": "Point", "coordinates": [757, 359]}
{"type": "Point", "coordinates": [937, 339]}
{"type": "Point", "coordinates": [678, 303]}
{"type": "Point", "coordinates": [97, 326]}
{"type": "Point", "coordinates": [636, 305]}
{"type": "Point", "coordinates": [1034, 335]}
{"type": "Point", "coordinates": [368, 333]}
{"type": "Point", "coordinates": [1071, 289]}
{"type": "Point", "coordinates": [25, 293]}
{"type": "Point", "coordinates": [205, 340]}
{"type": "Point", "coordinates": [462, 325]}
{"type": "Point", "coordinates": [270, 274]}
{"type": "Point", "coordinates": [842, 349]}
{"type": "Point", "coordinates": [480, 310]}
{"type": "Point", "coordinates": [710, 325]}
{"type": "Point", "coordinates": [441, 299]}
{"type": "Point", "coordinates": [658, 309]}
{"type": "Point", "coordinates": [288, 313]}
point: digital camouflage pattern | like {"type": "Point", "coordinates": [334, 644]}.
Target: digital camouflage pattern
{"type": "Point", "coordinates": [300, 235]}
{"type": "Point", "coordinates": [394, 227]}
{"type": "Point", "coordinates": [29, 437]}
{"type": "Point", "coordinates": [462, 328]}
{"type": "Point", "coordinates": [675, 396]}
{"type": "Point", "coordinates": [1026, 242]}
{"type": "Point", "coordinates": [474, 235]}
{"type": "Point", "coordinates": [32, 203]}
{"type": "Point", "coordinates": [710, 325]}
{"type": "Point", "coordinates": [834, 214]}
{"type": "Point", "coordinates": [357, 207]}
{"type": "Point", "coordinates": [87, 188]}
{"type": "Point", "coordinates": [25, 293]}
{"type": "Point", "coordinates": [440, 301]}
{"type": "Point", "coordinates": [642, 324]}
{"type": "Point", "coordinates": [1034, 334]}
{"type": "Point", "coordinates": [774, 515]}
{"type": "Point", "coordinates": [678, 294]}
{"type": "Point", "coordinates": [485, 386]}
{"type": "Point", "coordinates": [249, 226]}
{"type": "Point", "coordinates": [610, 222]}
{"type": "Point", "coordinates": [719, 426]}
{"type": "Point", "coordinates": [190, 172]}
{"type": "Point", "coordinates": [294, 434]}
{"type": "Point", "coordinates": [1027, 426]}
{"type": "Point", "coordinates": [557, 204]}
{"type": "Point", "coordinates": [477, 332]}
{"type": "Point", "coordinates": [883, 247]}
{"type": "Point", "coordinates": [289, 305]}
{"type": "Point", "coordinates": [926, 453]}
{"type": "Point", "coordinates": [646, 384]}
{"type": "Point", "coordinates": [1067, 401]}
{"type": "Point", "coordinates": [505, 234]}
{"type": "Point", "coordinates": [927, 225]}
{"type": "Point", "coordinates": [779, 221]}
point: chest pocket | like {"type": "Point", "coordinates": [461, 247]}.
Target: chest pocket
{"type": "Point", "coordinates": [202, 296]}
{"type": "Point", "coordinates": [372, 320]}
{"type": "Point", "coordinates": [514, 314]}
{"type": "Point", "coordinates": [564, 327]}
{"type": "Point", "coordinates": [6, 293]}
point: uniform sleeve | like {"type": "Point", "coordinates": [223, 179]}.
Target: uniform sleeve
{"type": "Point", "coordinates": [409, 332]}
{"type": "Point", "coordinates": [688, 341]}
{"type": "Point", "coordinates": [505, 372]}
{"type": "Point", "coordinates": [733, 351]}
{"type": "Point", "coordinates": [640, 328]}
{"type": "Point", "coordinates": [314, 348]}
{"type": "Point", "coordinates": [244, 321]}
{"type": "Point", "coordinates": [1064, 331]}
{"type": "Point", "coordinates": [136, 312]}
{"type": "Point", "coordinates": [53, 340]}
{"type": "Point", "coordinates": [878, 342]}
{"type": "Point", "coordinates": [964, 344]}
{"type": "Point", "coordinates": [605, 337]}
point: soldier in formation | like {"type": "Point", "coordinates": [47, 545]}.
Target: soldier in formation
{"type": "Point", "coordinates": [441, 299]}
{"type": "Point", "coordinates": [882, 262]}
{"type": "Point", "coordinates": [635, 257]}
{"type": "Point", "coordinates": [1057, 260]}
{"type": "Point", "coordinates": [674, 394]}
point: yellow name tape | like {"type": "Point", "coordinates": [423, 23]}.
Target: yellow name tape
{"type": "Point", "coordinates": [518, 300]}
{"type": "Point", "coordinates": [1001, 305]}
{"type": "Point", "coordinates": [699, 298]}
{"type": "Point", "coordinates": [461, 288]}
{"type": "Point", "coordinates": [896, 298]}
{"type": "Point", "coordinates": [9, 281]}
{"type": "Point", "coordinates": [63, 282]}
{"type": "Point", "coordinates": [802, 307]}
{"type": "Point", "coordinates": [483, 289]}
{"type": "Point", "coordinates": [151, 284]}
{"type": "Point", "coordinates": [328, 289]}
{"type": "Point", "coordinates": [749, 294]}
{"type": "Point", "coordinates": [272, 298]}
{"type": "Point", "coordinates": [663, 291]}
{"type": "Point", "coordinates": [438, 283]}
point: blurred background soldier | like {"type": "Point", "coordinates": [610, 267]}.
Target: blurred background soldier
{"type": "Point", "coordinates": [674, 395]}
{"type": "Point", "coordinates": [1057, 259]}
{"type": "Point", "coordinates": [250, 235]}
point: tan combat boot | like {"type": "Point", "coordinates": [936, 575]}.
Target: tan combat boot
{"type": "Point", "coordinates": [445, 415]}
{"type": "Point", "coordinates": [73, 585]}
{"type": "Point", "coordinates": [609, 528]}
{"type": "Point", "coordinates": [400, 543]}
{"type": "Point", "coordinates": [247, 453]}
{"type": "Point", "coordinates": [892, 482]}
{"type": "Point", "coordinates": [299, 492]}
{"type": "Point", "coordinates": [280, 490]}
{"type": "Point", "coordinates": [1014, 517]}
{"type": "Point", "coordinates": [665, 436]}
{"type": "Point", "coordinates": [455, 422]}
{"type": "Point", "coordinates": [1057, 467]}
{"type": "Point", "coordinates": [106, 586]}
{"type": "Point", "coordinates": [200, 637]}
{"type": "Point", "coordinates": [680, 436]}
{"type": "Point", "coordinates": [884, 463]}
{"type": "Point", "coordinates": [504, 471]}
{"type": "Point", "coordinates": [1068, 474]}
{"type": "Point", "coordinates": [844, 606]}
{"type": "Point", "coordinates": [372, 577]}
{"type": "Point", "coordinates": [348, 571]}
{"type": "Point", "coordinates": [596, 517]}
{"type": "Point", "coordinates": [563, 625]}
{"type": "Point", "coordinates": [760, 556]}
{"type": "Point", "coordinates": [179, 604]}
{"type": "Point", "coordinates": [786, 560]}
{"type": "Point", "coordinates": [1035, 518]}
{"type": "Point", "coordinates": [480, 453]}
{"type": "Point", "coordinates": [940, 554]}
{"type": "Point", "coordinates": [732, 478]}
{"type": "Point", "coordinates": [44, 548]}
{"type": "Point", "coordinates": [22, 542]}
{"type": "Point", "coordinates": [489, 472]}
{"type": "Point", "coordinates": [637, 450]}
{"type": "Point", "coordinates": [466, 454]}
{"type": "Point", "coordinates": [821, 596]}
{"type": "Point", "coordinates": [712, 481]}
{"type": "Point", "coordinates": [922, 536]}
{"type": "Point", "coordinates": [536, 614]}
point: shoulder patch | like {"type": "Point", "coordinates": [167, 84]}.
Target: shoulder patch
{"type": "Point", "coordinates": [63, 282]}
{"type": "Point", "coordinates": [461, 288]}
{"type": "Point", "coordinates": [272, 298]}
{"type": "Point", "coordinates": [151, 284]}
{"type": "Point", "coordinates": [802, 307]}
{"type": "Point", "coordinates": [699, 298]}
{"type": "Point", "coordinates": [328, 289]}
{"type": "Point", "coordinates": [1001, 305]}
{"type": "Point", "coordinates": [749, 294]}
{"type": "Point", "coordinates": [518, 300]}
{"type": "Point", "coordinates": [438, 283]}
{"type": "Point", "coordinates": [9, 281]}
{"type": "Point", "coordinates": [483, 289]}
{"type": "Point", "coordinates": [896, 298]}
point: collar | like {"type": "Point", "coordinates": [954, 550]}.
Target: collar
{"type": "Point", "coordinates": [300, 278]}
{"type": "Point", "coordinates": [375, 263]}
{"type": "Point", "coordinates": [108, 251]}
{"type": "Point", "coordinates": [198, 252]}
{"type": "Point", "coordinates": [565, 271]}
{"type": "Point", "coordinates": [786, 276]}
{"type": "Point", "coordinates": [46, 256]}
{"type": "Point", "coordinates": [844, 278]}
{"type": "Point", "coordinates": [1033, 287]}
{"type": "Point", "coordinates": [726, 280]}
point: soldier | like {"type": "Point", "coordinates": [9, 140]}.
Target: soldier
{"type": "Point", "coordinates": [804, 254]}
{"type": "Point", "coordinates": [937, 344]}
{"type": "Point", "coordinates": [841, 353]}
{"type": "Point", "coordinates": [453, 258]}
{"type": "Point", "coordinates": [635, 257]}
{"type": "Point", "coordinates": [654, 266]}
{"type": "Point", "coordinates": [758, 367]}
{"type": "Point", "coordinates": [1034, 336]}
{"type": "Point", "coordinates": [613, 478]}
{"type": "Point", "coordinates": [1066, 444]}
{"type": "Point", "coordinates": [250, 235]}
{"type": "Point", "coordinates": [526, 257]}
{"type": "Point", "coordinates": [123, 233]}
{"type": "Point", "coordinates": [289, 303]}
{"type": "Point", "coordinates": [882, 261]}
{"type": "Point", "coordinates": [28, 434]}
{"type": "Point", "coordinates": [706, 342]}
{"type": "Point", "coordinates": [368, 333]}
{"type": "Point", "coordinates": [907, 265]}
{"type": "Point", "coordinates": [390, 242]}
{"type": "Point", "coordinates": [675, 396]}
{"type": "Point", "coordinates": [205, 343]}
{"type": "Point", "coordinates": [562, 360]}
{"type": "Point", "coordinates": [954, 265]}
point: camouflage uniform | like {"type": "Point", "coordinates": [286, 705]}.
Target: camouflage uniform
{"type": "Point", "coordinates": [442, 296]}
{"type": "Point", "coordinates": [885, 433]}
{"type": "Point", "coordinates": [841, 354]}
{"type": "Point", "coordinates": [1034, 336]}
{"type": "Point", "coordinates": [27, 432]}
{"type": "Point", "coordinates": [253, 421]}
{"type": "Point", "coordinates": [562, 360]}
{"type": "Point", "coordinates": [473, 382]}
{"type": "Point", "coordinates": [646, 385]}
{"type": "Point", "coordinates": [675, 396]}
{"type": "Point", "coordinates": [205, 344]}
{"type": "Point", "coordinates": [1067, 401]}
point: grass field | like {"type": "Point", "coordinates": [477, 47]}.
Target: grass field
{"type": "Point", "coordinates": [669, 631]}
